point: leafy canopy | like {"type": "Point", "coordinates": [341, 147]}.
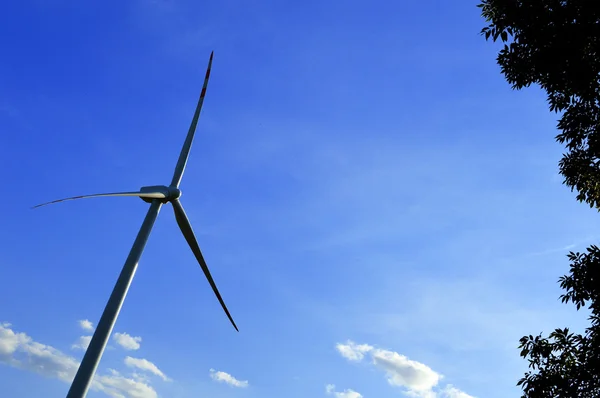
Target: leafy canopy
{"type": "Point", "coordinates": [556, 44]}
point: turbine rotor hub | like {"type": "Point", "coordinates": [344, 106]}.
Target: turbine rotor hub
{"type": "Point", "coordinates": [174, 193]}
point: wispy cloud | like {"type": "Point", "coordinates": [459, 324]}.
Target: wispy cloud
{"type": "Point", "coordinates": [415, 378]}
{"type": "Point", "coordinates": [127, 341]}
{"type": "Point", "coordinates": [19, 350]}
{"type": "Point", "coordinates": [562, 249]}
{"type": "Point", "coordinates": [145, 365]}
{"type": "Point", "coordinates": [349, 393]}
{"type": "Point", "coordinates": [452, 392]}
{"type": "Point", "coordinates": [227, 379]}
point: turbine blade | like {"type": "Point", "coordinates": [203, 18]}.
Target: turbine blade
{"type": "Point", "coordinates": [148, 195]}
{"type": "Point", "coordinates": [187, 145]}
{"type": "Point", "coordinates": [188, 233]}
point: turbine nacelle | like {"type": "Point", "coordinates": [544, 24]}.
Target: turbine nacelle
{"type": "Point", "coordinates": [170, 193]}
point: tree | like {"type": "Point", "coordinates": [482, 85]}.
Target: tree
{"type": "Point", "coordinates": [556, 45]}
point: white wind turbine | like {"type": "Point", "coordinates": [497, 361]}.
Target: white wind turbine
{"type": "Point", "coordinates": [156, 196]}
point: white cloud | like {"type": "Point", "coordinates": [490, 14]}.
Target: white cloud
{"type": "Point", "coordinates": [330, 389]}
{"type": "Point", "coordinates": [352, 351]}
{"type": "Point", "coordinates": [20, 351]}
{"type": "Point", "coordinates": [403, 372]}
{"type": "Point", "coordinates": [416, 378]}
{"type": "Point", "coordinates": [82, 343]}
{"type": "Point", "coordinates": [127, 342]}
{"type": "Point", "coordinates": [86, 325]}
{"type": "Point", "coordinates": [9, 340]}
{"type": "Point", "coordinates": [145, 365]}
{"type": "Point", "coordinates": [117, 386]}
{"type": "Point", "coordinates": [227, 378]}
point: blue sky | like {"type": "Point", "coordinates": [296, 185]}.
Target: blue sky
{"type": "Point", "coordinates": [382, 214]}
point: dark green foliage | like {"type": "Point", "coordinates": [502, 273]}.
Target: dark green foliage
{"type": "Point", "coordinates": [556, 45]}
{"type": "Point", "coordinates": [567, 364]}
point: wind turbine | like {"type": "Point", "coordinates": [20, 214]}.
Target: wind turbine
{"type": "Point", "coordinates": [156, 196]}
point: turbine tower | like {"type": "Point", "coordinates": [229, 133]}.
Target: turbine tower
{"type": "Point", "coordinates": [156, 196]}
